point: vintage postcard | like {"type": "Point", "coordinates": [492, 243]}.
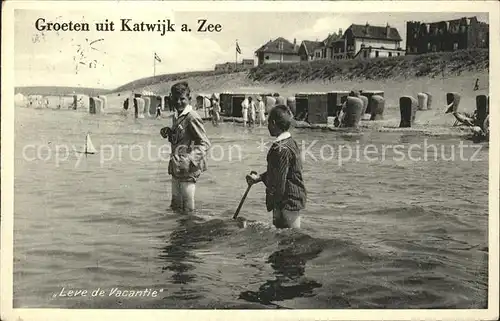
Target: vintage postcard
{"type": "Point", "coordinates": [238, 160]}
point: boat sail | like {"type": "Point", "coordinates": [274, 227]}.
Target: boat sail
{"type": "Point", "coordinates": [89, 147]}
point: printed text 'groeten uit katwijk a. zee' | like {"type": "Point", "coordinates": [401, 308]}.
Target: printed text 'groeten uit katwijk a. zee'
{"type": "Point", "coordinates": [127, 25]}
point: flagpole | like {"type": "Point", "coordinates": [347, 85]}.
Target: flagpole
{"type": "Point", "coordinates": [154, 65]}
{"type": "Point", "coordinates": [236, 53]}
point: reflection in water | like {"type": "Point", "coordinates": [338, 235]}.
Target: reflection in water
{"type": "Point", "coordinates": [177, 252]}
{"type": "Point", "coordinates": [191, 234]}
{"type": "Point", "coordinates": [289, 268]}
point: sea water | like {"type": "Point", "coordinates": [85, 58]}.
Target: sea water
{"type": "Point", "coordinates": [97, 231]}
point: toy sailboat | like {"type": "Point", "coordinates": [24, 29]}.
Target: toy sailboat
{"type": "Point", "coordinates": [89, 147]}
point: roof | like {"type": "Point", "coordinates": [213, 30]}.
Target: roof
{"type": "Point", "coordinates": [310, 93]}
{"type": "Point", "coordinates": [374, 32]}
{"type": "Point", "coordinates": [311, 45]}
{"type": "Point", "coordinates": [273, 46]}
{"type": "Point", "coordinates": [246, 93]}
{"type": "Point", "coordinates": [331, 39]}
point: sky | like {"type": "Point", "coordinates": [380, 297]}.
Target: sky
{"type": "Point", "coordinates": [66, 58]}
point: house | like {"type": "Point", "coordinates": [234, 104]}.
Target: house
{"type": "Point", "coordinates": [231, 66]}
{"type": "Point", "coordinates": [366, 41]}
{"type": "Point", "coordinates": [325, 51]}
{"type": "Point", "coordinates": [463, 33]}
{"type": "Point", "coordinates": [307, 49]}
{"type": "Point", "coordinates": [279, 50]}
{"type": "Point", "coordinates": [227, 66]}
{"type": "Point", "coordinates": [358, 41]}
{"type": "Point", "coordinates": [248, 63]}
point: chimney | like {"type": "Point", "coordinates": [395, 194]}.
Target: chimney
{"type": "Point", "coordinates": [294, 41]}
{"type": "Point", "coordinates": [366, 27]}
{"type": "Point", "coordinates": [340, 32]}
{"type": "Point", "coordinates": [387, 30]}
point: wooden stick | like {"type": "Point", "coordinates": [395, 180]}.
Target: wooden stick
{"type": "Point", "coordinates": [243, 198]}
{"type": "Point", "coordinates": [241, 202]}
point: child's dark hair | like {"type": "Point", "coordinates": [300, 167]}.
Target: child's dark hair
{"type": "Point", "coordinates": [282, 117]}
{"type": "Point", "coordinates": [181, 88]}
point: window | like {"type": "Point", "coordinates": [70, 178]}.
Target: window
{"type": "Point", "coordinates": [455, 45]}
{"type": "Point", "coordinates": [399, 54]}
{"type": "Point", "coordinates": [365, 53]}
{"type": "Point", "coordinates": [267, 57]}
{"type": "Point", "coordinates": [390, 54]}
{"type": "Point", "coordinates": [376, 53]}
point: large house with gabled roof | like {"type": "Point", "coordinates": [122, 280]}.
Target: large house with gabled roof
{"type": "Point", "coordinates": [307, 50]}
{"type": "Point", "coordinates": [366, 41]}
{"type": "Point", "coordinates": [279, 50]}
{"type": "Point", "coordinates": [358, 41]}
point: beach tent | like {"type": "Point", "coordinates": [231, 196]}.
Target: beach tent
{"type": "Point", "coordinates": [147, 104]}
{"type": "Point", "coordinates": [368, 94]}
{"type": "Point", "coordinates": [353, 112]}
{"type": "Point", "coordinates": [98, 105]}
{"type": "Point", "coordinates": [83, 102]}
{"type": "Point", "coordinates": [19, 100]}
{"type": "Point", "coordinates": [231, 101]}
{"type": "Point", "coordinates": [139, 102]}
{"type": "Point", "coordinates": [408, 107]}
{"type": "Point", "coordinates": [377, 106]}
{"type": "Point", "coordinates": [203, 103]}
{"type": "Point", "coordinates": [312, 107]}
{"type": "Point", "coordinates": [335, 99]}
{"type": "Point", "coordinates": [104, 101]}
{"type": "Point", "coordinates": [422, 99]}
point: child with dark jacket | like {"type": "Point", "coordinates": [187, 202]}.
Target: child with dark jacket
{"type": "Point", "coordinates": [285, 191]}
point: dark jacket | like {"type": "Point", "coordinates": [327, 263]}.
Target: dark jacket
{"type": "Point", "coordinates": [283, 179]}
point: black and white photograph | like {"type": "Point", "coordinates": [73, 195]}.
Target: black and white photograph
{"type": "Point", "coordinates": [312, 156]}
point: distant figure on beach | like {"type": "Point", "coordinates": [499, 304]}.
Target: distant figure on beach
{"type": "Point", "coordinates": [251, 110]}
{"type": "Point", "coordinates": [244, 111]}
{"type": "Point", "coordinates": [476, 86]}
{"type": "Point", "coordinates": [261, 108]}
{"type": "Point", "coordinates": [285, 191]}
{"type": "Point", "coordinates": [158, 110]}
{"type": "Point", "coordinates": [215, 109]}
{"type": "Point", "coordinates": [189, 147]}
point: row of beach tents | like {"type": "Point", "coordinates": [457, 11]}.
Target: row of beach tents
{"type": "Point", "coordinates": [54, 102]}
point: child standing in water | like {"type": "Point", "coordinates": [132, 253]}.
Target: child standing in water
{"type": "Point", "coordinates": [285, 191]}
{"type": "Point", "coordinates": [189, 147]}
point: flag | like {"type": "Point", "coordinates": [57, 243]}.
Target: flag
{"type": "Point", "coordinates": [238, 50]}
{"type": "Point", "coordinates": [157, 58]}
